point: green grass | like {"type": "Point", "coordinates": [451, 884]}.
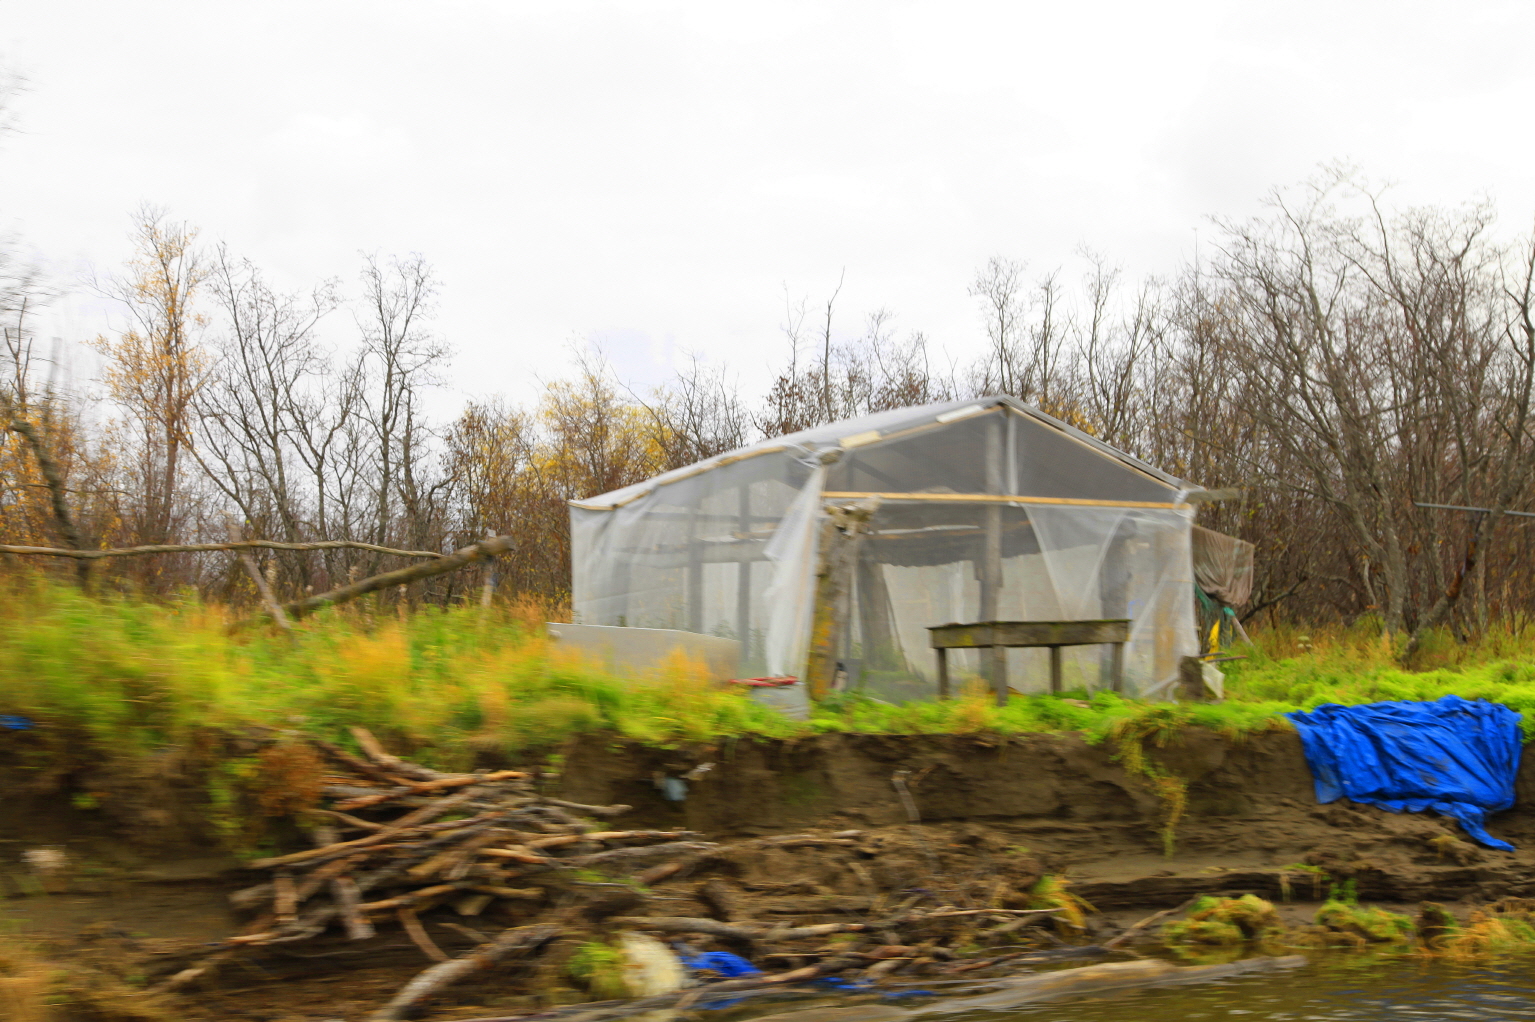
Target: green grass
{"type": "Point", "coordinates": [133, 676]}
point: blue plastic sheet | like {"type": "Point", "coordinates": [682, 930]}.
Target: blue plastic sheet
{"type": "Point", "coordinates": [723, 962]}
{"type": "Point", "coordinates": [1454, 756]}
{"type": "Point", "coordinates": [12, 723]}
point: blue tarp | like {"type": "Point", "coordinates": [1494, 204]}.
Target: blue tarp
{"type": "Point", "coordinates": [1454, 756]}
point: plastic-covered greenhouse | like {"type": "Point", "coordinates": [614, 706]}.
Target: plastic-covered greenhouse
{"type": "Point", "coordinates": [969, 511]}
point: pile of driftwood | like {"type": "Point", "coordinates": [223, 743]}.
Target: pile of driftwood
{"type": "Point", "coordinates": [402, 840]}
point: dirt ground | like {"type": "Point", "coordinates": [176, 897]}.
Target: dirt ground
{"type": "Point", "coordinates": [961, 821]}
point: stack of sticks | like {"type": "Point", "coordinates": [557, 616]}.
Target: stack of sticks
{"type": "Point", "coordinates": [415, 838]}
{"type": "Point", "coordinates": [403, 839]}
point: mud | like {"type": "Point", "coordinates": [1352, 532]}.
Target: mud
{"type": "Point", "coordinates": [986, 818]}
{"type": "Point", "coordinates": [1250, 821]}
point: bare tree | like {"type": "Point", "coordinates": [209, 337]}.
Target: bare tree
{"type": "Point", "coordinates": [255, 414]}
{"type": "Point", "coordinates": [398, 359]}
{"type": "Point", "coordinates": [155, 368]}
{"type": "Point", "coordinates": [698, 415]}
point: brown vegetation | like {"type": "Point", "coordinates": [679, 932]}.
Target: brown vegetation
{"type": "Point", "coordinates": [1336, 364]}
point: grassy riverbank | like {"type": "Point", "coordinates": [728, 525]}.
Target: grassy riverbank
{"type": "Point", "coordinates": [131, 675]}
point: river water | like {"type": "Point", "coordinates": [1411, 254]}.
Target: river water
{"type": "Point", "coordinates": [1376, 991]}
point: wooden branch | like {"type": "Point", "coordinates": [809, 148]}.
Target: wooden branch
{"type": "Point", "coordinates": [665, 871]}
{"type": "Point", "coordinates": [268, 598]}
{"type": "Point", "coordinates": [1125, 938]}
{"type": "Point", "coordinates": [196, 548]}
{"type": "Point", "coordinates": [686, 924]}
{"type": "Point", "coordinates": [417, 934]}
{"type": "Point", "coordinates": [348, 898]}
{"type": "Point", "coordinates": [396, 829]}
{"type": "Point", "coordinates": [637, 852]}
{"type": "Point", "coordinates": [187, 975]}
{"type": "Point", "coordinates": [611, 835]}
{"type": "Point", "coordinates": [374, 751]}
{"type": "Point", "coordinates": [588, 810]}
{"type": "Point", "coordinates": [452, 562]}
{"type": "Point", "coordinates": [438, 976]}
{"type": "Point", "coordinates": [349, 820]}
{"type": "Point", "coordinates": [510, 893]}
{"type": "Point", "coordinates": [284, 899]}
{"type": "Point", "coordinates": [407, 900]}
{"type": "Point", "coordinates": [430, 786]}
{"type": "Point", "coordinates": [350, 761]}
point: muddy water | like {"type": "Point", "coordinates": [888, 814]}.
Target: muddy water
{"type": "Point", "coordinates": [1323, 992]}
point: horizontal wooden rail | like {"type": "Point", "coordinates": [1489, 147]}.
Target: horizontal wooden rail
{"type": "Point", "coordinates": [194, 548]}
{"type": "Point", "coordinates": [991, 498]}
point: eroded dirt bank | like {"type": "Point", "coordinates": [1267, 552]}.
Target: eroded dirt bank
{"type": "Point", "coordinates": [1251, 814]}
{"type": "Point", "coordinates": [833, 829]}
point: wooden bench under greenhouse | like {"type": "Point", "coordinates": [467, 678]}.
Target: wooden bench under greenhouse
{"type": "Point", "coordinates": [998, 636]}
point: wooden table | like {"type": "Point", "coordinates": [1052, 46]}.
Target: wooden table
{"type": "Point", "coordinates": [999, 635]}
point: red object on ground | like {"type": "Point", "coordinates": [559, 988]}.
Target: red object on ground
{"type": "Point", "coordinates": [764, 682]}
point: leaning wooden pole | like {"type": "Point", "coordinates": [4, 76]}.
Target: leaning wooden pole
{"type": "Point", "coordinates": [268, 598]}
{"type": "Point", "coordinates": [485, 548]}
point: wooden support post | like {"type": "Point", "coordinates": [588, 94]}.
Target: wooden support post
{"type": "Point", "coordinates": [994, 666]}
{"type": "Point", "coordinates": [841, 536]}
{"type": "Point", "coordinates": [943, 673]}
{"type": "Point", "coordinates": [999, 673]}
{"type": "Point", "coordinates": [1117, 668]}
{"type": "Point", "coordinates": [695, 578]}
{"type": "Point", "coordinates": [993, 663]}
{"type": "Point", "coordinates": [1055, 670]}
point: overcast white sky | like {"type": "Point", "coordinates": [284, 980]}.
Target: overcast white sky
{"type": "Point", "coordinates": [652, 175]}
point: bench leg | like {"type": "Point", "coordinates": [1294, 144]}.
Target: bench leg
{"type": "Point", "coordinates": [1117, 668]}
{"type": "Point", "coordinates": [943, 673]}
{"type": "Point", "coordinates": [1055, 670]}
{"type": "Point", "coordinates": [999, 673]}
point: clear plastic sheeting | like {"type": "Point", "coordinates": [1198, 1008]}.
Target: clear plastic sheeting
{"type": "Point", "coordinates": [983, 510]}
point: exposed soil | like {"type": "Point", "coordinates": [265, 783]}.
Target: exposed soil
{"type": "Point", "coordinates": [992, 816]}
{"type": "Point", "coordinates": [1251, 811]}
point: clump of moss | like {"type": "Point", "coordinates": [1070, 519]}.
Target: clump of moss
{"type": "Point", "coordinates": [599, 967]}
{"type": "Point", "coordinates": [1225, 922]}
{"type": "Point", "coordinates": [1435, 923]}
{"type": "Point", "coordinates": [1213, 932]}
{"type": "Point", "coordinates": [1371, 925]}
{"type": "Point", "coordinates": [1071, 910]}
{"type": "Point", "coordinates": [1453, 849]}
